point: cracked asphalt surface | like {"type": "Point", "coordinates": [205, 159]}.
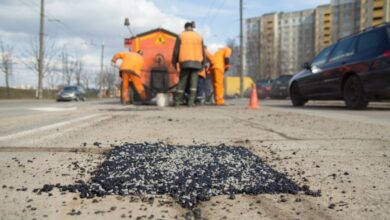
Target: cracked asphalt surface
{"type": "Point", "coordinates": [345, 154]}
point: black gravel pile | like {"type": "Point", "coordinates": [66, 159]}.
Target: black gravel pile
{"type": "Point", "coordinates": [190, 174]}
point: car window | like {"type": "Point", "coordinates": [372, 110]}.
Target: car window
{"type": "Point", "coordinates": [343, 49]}
{"type": "Point", "coordinates": [285, 79]}
{"type": "Point", "coordinates": [388, 33]}
{"type": "Point", "coordinates": [322, 57]}
{"type": "Point", "coordinates": [369, 41]}
{"type": "Point", "coordinates": [70, 88]}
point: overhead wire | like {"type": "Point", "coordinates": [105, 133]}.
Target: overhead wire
{"type": "Point", "coordinates": [217, 11]}
{"type": "Point", "coordinates": [58, 22]}
{"type": "Point", "coordinates": [208, 10]}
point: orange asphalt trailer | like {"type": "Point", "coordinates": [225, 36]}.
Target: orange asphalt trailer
{"type": "Point", "coordinates": [158, 74]}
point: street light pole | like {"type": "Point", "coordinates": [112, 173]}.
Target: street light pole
{"type": "Point", "coordinates": [39, 94]}
{"type": "Point", "coordinates": [242, 52]}
{"type": "Point", "coordinates": [101, 72]}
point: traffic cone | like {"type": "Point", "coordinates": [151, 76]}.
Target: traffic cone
{"type": "Point", "coordinates": [254, 101]}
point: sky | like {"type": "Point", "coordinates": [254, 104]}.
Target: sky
{"type": "Point", "coordinates": [82, 26]}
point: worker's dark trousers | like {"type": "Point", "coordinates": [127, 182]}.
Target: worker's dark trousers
{"type": "Point", "coordinates": [200, 91]}
{"type": "Point", "coordinates": [208, 89]}
{"type": "Point", "coordinates": [191, 76]}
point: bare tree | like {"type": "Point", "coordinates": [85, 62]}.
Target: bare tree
{"type": "Point", "coordinates": [78, 70]}
{"type": "Point", "coordinates": [85, 79]}
{"type": "Point", "coordinates": [235, 65]}
{"type": "Point", "coordinates": [53, 78]}
{"type": "Point", "coordinates": [32, 56]}
{"type": "Point", "coordinates": [253, 57]}
{"type": "Point", "coordinates": [6, 62]}
{"type": "Point", "coordinates": [109, 78]}
{"type": "Point", "coordinates": [72, 68]}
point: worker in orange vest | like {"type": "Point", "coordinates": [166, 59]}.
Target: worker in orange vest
{"type": "Point", "coordinates": [130, 70]}
{"type": "Point", "coordinates": [220, 66]}
{"type": "Point", "coordinates": [189, 53]}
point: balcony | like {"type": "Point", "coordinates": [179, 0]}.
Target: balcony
{"type": "Point", "coordinates": [378, 14]}
{"type": "Point", "coordinates": [379, 3]}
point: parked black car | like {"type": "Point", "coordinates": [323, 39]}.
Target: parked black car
{"type": "Point", "coordinates": [70, 93]}
{"type": "Point", "coordinates": [279, 87]}
{"type": "Point", "coordinates": [356, 69]}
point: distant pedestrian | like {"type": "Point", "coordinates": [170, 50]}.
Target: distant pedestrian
{"type": "Point", "coordinates": [130, 70]}
{"type": "Point", "coordinates": [189, 53]}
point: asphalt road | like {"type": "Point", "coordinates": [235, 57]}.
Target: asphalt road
{"type": "Point", "coordinates": [36, 114]}
{"type": "Point", "coordinates": [377, 112]}
{"type": "Point", "coordinates": [323, 145]}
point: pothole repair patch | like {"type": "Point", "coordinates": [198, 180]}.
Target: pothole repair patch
{"type": "Point", "coordinates": [189, 174]}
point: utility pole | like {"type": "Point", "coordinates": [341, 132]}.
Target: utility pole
{"type": "Point", "coordinates": [242, 52]}
{"type": "Point", "coordinates": [101, 73]}
{"type": "Point", "coordinates": [39, 94]}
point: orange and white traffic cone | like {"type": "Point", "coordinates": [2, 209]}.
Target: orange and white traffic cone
{"type": "Point", "coordinates": [254, 101]}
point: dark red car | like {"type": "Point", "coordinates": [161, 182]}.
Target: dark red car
{"type": "Point", "coordinates": [264, 88]}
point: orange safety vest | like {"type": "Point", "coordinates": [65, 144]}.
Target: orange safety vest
{"type": "Point", "coordinates": [219, 58]}
{"type": "Point", "coordinates": [191, 47]}
{"type": "Point", "coordinates": [131, 61]}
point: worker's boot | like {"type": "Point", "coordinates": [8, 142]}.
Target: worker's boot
{"type": "Point", "coordinates": [191, 99]}
{"type": "Point", "coordinates": [177, 100]}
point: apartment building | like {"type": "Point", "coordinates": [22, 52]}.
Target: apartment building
{"type": "Point", "coordinates": [345, 18]}
{"type": "Point", "coordinates": [323, 27]}
{"type": "Point", "coordinates": [278, 43]}
{"type": "Point", "coordinates": [374, 12]}
{"type": "Point", "coordinates": [269, 46]}
{"type": "Point", "coordinates": [252, 46]}
{"type": "Point", "coordinates": [296, 40]}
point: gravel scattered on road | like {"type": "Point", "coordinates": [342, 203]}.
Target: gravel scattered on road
{"type": "Point", "coordinates": [190, 174]}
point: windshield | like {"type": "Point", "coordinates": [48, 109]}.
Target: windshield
{"type": "Point", "coordinates": [264, 83]}
{"type": "Point", "coordinates": [322, 57]}
{"type": "Point", "coordinates": [284, 78]}
{"type": "Point", "coordinates": [70, 88]}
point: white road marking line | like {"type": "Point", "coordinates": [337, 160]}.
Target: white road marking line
{"type": "Point", "coordinates": [83, 125]}
{"type": "Point", "coordinates": [53, 109]}
{"type": "Point", "coordinates": [47, 127]}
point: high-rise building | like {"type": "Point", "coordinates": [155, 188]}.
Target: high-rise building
{"type": "Point", "coordinates": [374, 12]}
{"type": "Point", "coordinates": [269, 46]}
{"type": "Point", "coordinates": [345, 18]}
{"type": "Point", "coordinates": [252, 49]}
{"type": "Point", "coordinates": [296, 40]}
{"type": "Point", "coordinates": [279, 43]}
{"type": "Point", "coordinates": [323, 27]}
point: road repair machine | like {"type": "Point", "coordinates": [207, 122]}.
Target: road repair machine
{"type": "Point", "coordinates": [158, 74]}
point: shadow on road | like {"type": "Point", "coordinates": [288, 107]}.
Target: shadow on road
{"type": "Point", "coordinates": [313, 106]}
{"type": "Point", "coordinates": [132, 109]}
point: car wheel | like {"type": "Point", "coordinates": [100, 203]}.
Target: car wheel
{"type": "Point", "coordinates": [354, 95]}
{"type": "Point", "coordinates": [77, 99]}
{"type": "Point", "coordinates": [84, 99]}
{"type": "Point", "coordinates": [297, 98]}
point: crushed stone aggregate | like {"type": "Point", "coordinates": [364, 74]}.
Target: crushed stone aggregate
{"type": "Point", "coordinates": [190, 174]}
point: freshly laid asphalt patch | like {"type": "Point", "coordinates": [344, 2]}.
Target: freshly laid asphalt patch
{"type": "Point", "coordinates": [189, 174]}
